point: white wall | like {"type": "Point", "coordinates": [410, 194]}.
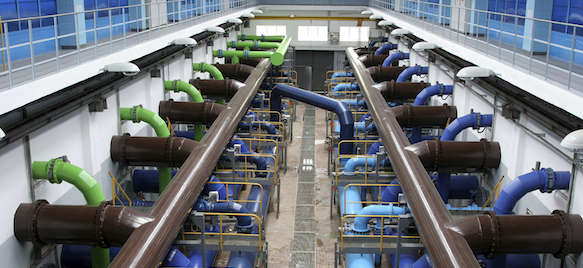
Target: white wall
{"type": "Point", "coordinates": [85, 138]}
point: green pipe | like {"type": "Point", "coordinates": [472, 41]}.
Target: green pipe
{"type": "Point", "coordinates": [253, 44]}
{"type": "Point", "coordinates": [214, 71]}
{"type": "Point", "coordinates": [234, 60]}
{"type": "Point", "coordinates": [279, 55]}
{"type": "Point", "coordinates": [58, 170]}
{"type": "Point", "coordinates": [138, 114]}
{"type": "Point", "coordinates": [269, 38]}
{"type": "Point", "coordinates": [241, 54]}
{"type": "Point", "coordinates": [177, 86]}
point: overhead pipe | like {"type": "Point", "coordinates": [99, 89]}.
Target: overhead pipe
{"type": "Point", "coordinates": [407, 73]}
{"type": "Point", "coordinates": [380, 74]}
{"type": "Point", "coordinates": [147, 246]}
{"type": "Point", "coordinates": [446, 249]}
{"type": "Point", "coordinates": [194, 94]}
{"type": "Point", "coordinates": [238, 71]}
{"type": "Point", "coordinates": [138, 114]}
{"type": "Point", "coordinates": [341, 109]}
{"type": "Point", "coordinates": [263, 38]}
{"type": "Point", "coordinates": [276, 57]}
{"type": "Point", "coordinates": [490, 234]}
{"type": "Point", "coordinates": [422, 97]}
{"type": "Point", "coordinates": [252, 45]}
{"type": "Point", "coordinates": [103, 226]}
{"type": "Point", "coordinates": [151, 151]}
{"type": "Point", "coordinates": [204, 113]}
{"type": "Point", "coordinates": [397, 56]}
{"type": "Point", "coordinates": [386, 47]}
{"type": "Point", "coordinates": [58, 170]}
{"type": "Point", "coordinates": [372, 60]}
{"type": "Point", "coordinates": [546, 180]}
{"type": "Point", "coordinates": [475, 120]}
{"type": "Point", "coordinates": [225, 89]}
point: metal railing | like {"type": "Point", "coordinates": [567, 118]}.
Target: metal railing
{"type": "Point", "coordinates": [547, 49]}
{"type": "Point", "coordinates": [70, 39]}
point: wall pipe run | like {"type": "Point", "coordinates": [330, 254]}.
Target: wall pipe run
{"type": "Point", "coordinates": [386, 47]}
{"type": "Point", "coordinates": [194, 94]}
{"type": "Point", "coordinates": [372, 60]}
{"type": "Point", "coordinates": [341, 109]}
{"type": "Point", "coordinates": [395, 57]}
{"type": "Point", "coordinates": [204, 113]}
{"type": "Point", "coordinates": [380, 74]}
{"type": "Point", "coordinates": [58, 170]}
{"type": "Point", "coordinates": [446, 249]}
{"type": "Point", "coordinates": [252, 44]}
{"type": "Point", "coordinates": [263, 38]}
{"type": "Point", "coordinates": [400, 92]}
{"type": "Point", "coordinates": [148, 245]}
{"type": "Point", "coordinates": [238, 71]}
{"type": "Point", "coordinates": [407, 73]}
{"type": "Point", "coordinates": [422, 97]}
{"type": "Point", "coordinates": [152, 151]}
{"type": "Point", "coordinates": [205, 67]}
{"type": "Point", "coordinates": [546, 180]}
{"type": "Point", "coordinates": [475, 120]}
{"type": "Point", "coordinates": [219, 88]}
{"type": "Point", "coordinates": [276, 57]}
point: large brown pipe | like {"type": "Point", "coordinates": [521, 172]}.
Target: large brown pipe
{"type": "Point", "coordinates": [221, 88]}
{"type": "Point", "coordinates": [148, 245]}
{"type": "Point", "coordinates": [424, 116]}
{"type": "Point", "coordinates": [237, 71]}
{"type": "Point", "coordinates": [380, 74]}
{"type": "Point", "coordinates": [151, 151]}
{"type": "Point", "coordinates": [401, 92]}
{"type": "Point", "coordinates": [372, 60]}
{"type": "Point", "coordinates": [490, 234]}
{"type": "Point", "coordinates": [190, 112]}
{"type": "Point", "coordinates": [104, 225]}
{"type": "Point", "coordinates": [457, 156]}
{"type": "Point", "coordinates": [447, 249]}
{"type": "Point", "coordinates": [250, 61]}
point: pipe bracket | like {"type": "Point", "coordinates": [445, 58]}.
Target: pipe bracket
{"type": "Point", "coordinates": [550, 184]}
{"type": "Point", "coordinates": [496, 232]}
{"type": "Point", "coordinates": [478, 117]}
{"type": "Point", "coordinates": [567, 233]}
{"type": "Point", "coordinates": [51, 173]}
{"type": "Point", "coordinates": [135, 113]}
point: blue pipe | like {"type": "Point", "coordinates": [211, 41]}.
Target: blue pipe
{"type": "Point", "coordinates": [137, 202]}
{"type": "Point", "coordinates": [219, 187]}
{"type": "Point", "coordinates": [422, 97]}
{"type": "Point", "coordinates": [391, 193]}
{"type": "Point", "coordinates": [475, 120]}
{"type": "Point", "coordinates": [185, 134]}
{"type": "Point", "coordinates": [460, 188]}
{"type": "Point", "coordinates": [374, 148]}
{"type": "Point", "coordinates": [257, 160]}
{"type": "Point", "coordinates": [361, 223]}
{"type": "Point", "coordinates": [352, 195]}
{"type": "Point", "coordinates": [341, 109]}
{"type": "Point", "coordinates": [195, 257]}
{"type": "Point", "coordinates": [147, 180]}
{"type": "Point", "coordinates": [255, 195]}
{"type": "Point", "coordinates": [538, 179]}
{"type": "Point", "coordinates": [356, 260]}
{"type": "Point", "coordinates": [405, 260]}
{"type": "Point", "coordinates": [395, 56]}
{"type": "Point", "coordinates": [385, 47]}
{"type": "Point", "coordinates": [423, 262]}
{"type": "Point", "coordinates": [372, 43]}
{"type": "Point", "coordinates": [270, 128]}
{"type": "Point", "coordinates": [175, 258]}
{"type": "Point", "coordinates": [355, 162]}
{"type": "Point", "coordinates": [342, 74]}
{"type": "Point", "coordinates": [407, 73]}
{"type": "Point", "coordinates": [244, 223]}
{"type": "Point", "coordinates": [346, 87]}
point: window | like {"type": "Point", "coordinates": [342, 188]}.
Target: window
{"type": "Point", "coordinates": [349, 33]}
{"type": "Point", "coordinates": [270, 30]}
{"type": "Point", "coordinates": [312, 33]}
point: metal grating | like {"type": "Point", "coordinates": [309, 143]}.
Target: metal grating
{"type": "Point", "coordinates": [304, 240]}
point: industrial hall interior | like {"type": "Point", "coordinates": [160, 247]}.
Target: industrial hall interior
{"type": "Point", "coordinates": [307, 133]}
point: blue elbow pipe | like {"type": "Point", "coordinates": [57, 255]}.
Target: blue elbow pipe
{"type": "Point", "coordinates": [395, 56]}
{"type": "Point", "coordinates": [195, 257]}
{"type": "Point", "coordinates": [359, 260]}
{"type": "Point", "coordinates": [242, 259]}
{"type": "Point", "coordinates": [374, 148]}
{"type": "Point", "coordinates": [372, 43]}
{"type": "Point", "coordinates": [391, 193]}
{"type": "Point", "coordinates": [475, 120]}
{"type": "Point", "coordinates": [341, 109]}
{"type": "Point", "coordinates": [147, 180]}
{"type": "Point", "coordinates": [342, 74]}
{"type": "Point", "coordinates": [423, 262]}
{"type": "Point", "coordinates": [407, 73]}
{"type": "Point", "coordinates": [346, 87]}
{"type": "Point", "coordinates": [259, 162]}
{"type": "Point", "coordinates": [355, 162]}
{"type": "Point", "coordinates": [361, 223]}
{"type": "Point", "coordinates": [426, 93]}
{"type": "Point", "coordinates": [538, 179]}
{"type": "Point", "coordinates": [270, 128]}
{"type": "Point", "coordinates": [385, 47]}
{"type": "Point", "coordinates": [219, 187]}
{"type": "Point", "coordinates": [461, 186]}
{"type": "Point", "coordinates": [244, 223]}
{"type": "Point", "coordinates": [352, 195]}
{"type": "Point", "coordinates": [175, 258]}
{"type": "Point", "coordinates": [255, 195]}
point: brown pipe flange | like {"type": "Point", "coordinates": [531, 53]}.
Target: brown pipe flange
{"type": "Point", "coordinates": [380, 74]}
{"type": "Point", "coordinates": [495, 229]}
{"type": "Point", "coordinates": [151, 151]}
{"type": "Point", "coordinates": [567, 232]}
{"type": "Point", "coordinates": [190, 112]}
{"type": "Point", "coordinates": [400, 92]}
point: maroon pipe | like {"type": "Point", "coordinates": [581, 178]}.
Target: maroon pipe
{"type": "Point", "coordinates": [457, 156]}
{"type": "Point", "coordinates": [401, 92]}
{"type": "Point", "coordinates": [104, 225]}
{"type": "Point", "coordinates": [380, 74]}
{"type": "Point", "coordinates": [148, 245]}
{"type": "Point", "coordinates": [424, 116]}
{"type": "Point", "coordinates": [491, 234]}
{"type": "Point", "coordinates": [447, 249]}
{"type": "Point", "coordinates": [372, 60]}
{"type": "Point", "coordinates": [237, 71]}
{"type": "Point", "coordinates": [250, 61]}
{"type": "Point", "coordinates": [190, 112]}
{"type": "Point", "coordinates": [222, 88]}
{"type": "Point", "coordinates": [151, 151]}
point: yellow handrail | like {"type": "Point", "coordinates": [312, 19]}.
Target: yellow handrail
{"type": "Point", "coordinates": [227, 183]}
{"type": "Point", "coordinates": [113, 184]}
{"type": "Point", "coordinates": [221, 233]}
{"type": "Point", "coordinates": [246, 169]}
{"type": "Point", "coordinates": [381, 235]}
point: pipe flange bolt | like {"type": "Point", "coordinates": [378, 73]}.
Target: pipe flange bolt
{"type": "Point", "coordinates": [550, 182]}
{"type": "Point", "coordinates": [567, 233]}
{"type": "Point", "coordinates": [245, 229]}
{"type": "Point", "coordinates": [99, 223]}
{"type": "Point", "coordinates": [51, 175]}
{"type": "Point", "coordinates": [33, 213]}
{"type": "Point", "coordinates": [135, 113]}
{"type": "Point", "coordinates": [495, 229]}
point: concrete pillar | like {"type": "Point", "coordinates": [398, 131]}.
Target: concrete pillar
{"type": "Point", "coordinates": [540, 9]}
{"type": "Point", "coordinates": [67, 24]}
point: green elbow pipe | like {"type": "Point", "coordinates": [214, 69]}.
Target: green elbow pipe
{"type": "Point", "coordinates": [253, 44]}
{"type": "Point", "coordinates": [57, 170]}
{"type": "Point", "coordinates": [138, 114]}
{"type": "Point", "coordinates": [269, 38]}
{"type": "Point", "coordinates": [214, 71]}
{"type": "Point", "coordinates": [234, 60]}
{"type": "Point", "coordinates": [279, 55]}
{"type": "Point", "coordinates": [189, 89]}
